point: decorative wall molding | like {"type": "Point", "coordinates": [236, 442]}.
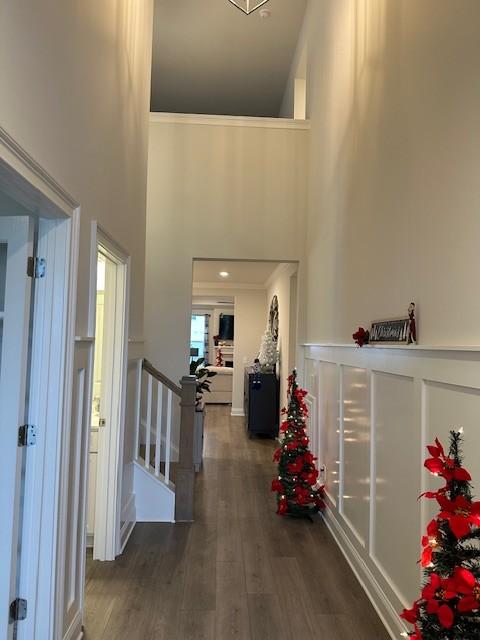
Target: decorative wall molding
{"type": "Point", "coordinates": [396, 347]}
{"type": "Point", "coordinates": [377, 408]}
{"type": "Point", "coordinates": [228, 121]}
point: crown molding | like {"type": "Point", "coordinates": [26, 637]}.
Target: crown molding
{"type": "Point", "coordinates": [228, 121]}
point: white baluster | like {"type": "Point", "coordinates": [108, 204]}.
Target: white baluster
{"type": "Point", "coordinates": [168, 437]}
{"type": "Point", "coordinates": [158, 445]}
{"type": "Point", "coordinates": [138, 407]}
{"type": "Point", "coordinates": [149, 422]}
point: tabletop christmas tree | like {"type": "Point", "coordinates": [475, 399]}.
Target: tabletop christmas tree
{"type": "Point", "coordinates": [449, 605]}
{"type": "Point", "coordinates": [298, 491]}
{"type": "Point", "coordinates": [268, 355]}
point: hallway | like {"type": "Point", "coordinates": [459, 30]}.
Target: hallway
{"type": "Point", "coordinates": [240, 571]}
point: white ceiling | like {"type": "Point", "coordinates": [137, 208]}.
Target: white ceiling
{"type": "Point", "coordinates": [244, 273]}
{"type": "Point", "coordinates": [209, 57]}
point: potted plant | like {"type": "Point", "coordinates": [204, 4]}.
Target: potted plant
{"type": "Point", "coordinates": [203, 384]}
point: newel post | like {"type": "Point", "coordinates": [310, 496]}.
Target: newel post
{"type": "Point", "coordinates": [185, 479]}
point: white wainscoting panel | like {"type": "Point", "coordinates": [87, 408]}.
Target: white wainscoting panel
{"type": "Point", "coordinates": [451, 406]}
{"type": "Point", "coordinates": [377, 408]}
{"type": "Point", "coordinates": [397, 478]}
{"type": "Point", "coordinates": [356, 450]}
{"type": "Point", "coordinates": [75, 526]}
{"type": "Point", "coordinates": [311, 426]}
{"type": "Point", "coordinates": [329, 427]}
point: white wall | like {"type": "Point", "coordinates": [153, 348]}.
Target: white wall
{"type": "Point", "coordinates": [294, 98]}
{"type": "Point", "coordinates": [78, 78]}
{"type": "Point", "coordinates": [218, 188]}
{"type": "Point", "coordinates": [250, 323]}
{"type": "Point", "coordinates": [76, 83]}
{"type": "Point", "coordinates": [394, 195]}
{"type": "Point", "coordinates": [280, 285]}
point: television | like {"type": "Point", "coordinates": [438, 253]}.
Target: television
{"type": "Point", "coordinates": [225, 327]}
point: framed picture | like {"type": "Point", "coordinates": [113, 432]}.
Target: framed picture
{"type": "Point", "coordinates": [273, 318]}
{"type": "Point", "coordinates": [391, 331]}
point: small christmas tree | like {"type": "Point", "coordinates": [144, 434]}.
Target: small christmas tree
{"type": "Point", "coordinates": [219, 359]}
{"type": "Point", "coordinates": [297, 484]}
{"type": "Point", "coordinates": [268, 355]}
{"type": "Point", "coordinates": [449, 605]}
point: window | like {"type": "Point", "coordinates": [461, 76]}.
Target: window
{"type": "Point", "coordinates": [197, 335]}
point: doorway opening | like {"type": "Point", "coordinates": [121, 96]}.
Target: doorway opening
{"type": "Point", "coordinates": [107, 410]}
{"type": "Point", "coordinates": [231, 311]}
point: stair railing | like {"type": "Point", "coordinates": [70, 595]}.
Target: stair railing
{"type": "Point", "coordinates": [164, 432]}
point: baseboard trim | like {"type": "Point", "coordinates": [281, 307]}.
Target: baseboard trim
{"type": "Point", "coordinates": [237, 413]}
{"type": "Point", "coordinates": [386, 612]}
{"type": "Point", "coordinates": [75, 630]}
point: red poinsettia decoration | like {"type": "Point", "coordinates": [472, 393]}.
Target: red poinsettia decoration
{"type": "Point", "coordinates": [460, 514]}
{"type": "Point", "coordinates": [429, 543]}
{"type": "Point", "coordinates": [465, 583]}
{"type": "Point", "coordinates": [441, 465]}
{"type": "Point", "coordinates": [278, 486]}
{"type": "Point", "coordinates": [449, 606]}
{"type": "Point", "coordinates": [361, 336]}
{"type": "Point", "coordinates": [436, 594]}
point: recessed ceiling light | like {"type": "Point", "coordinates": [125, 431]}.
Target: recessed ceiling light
{"type": "Point", "coordinates": [223, 274]}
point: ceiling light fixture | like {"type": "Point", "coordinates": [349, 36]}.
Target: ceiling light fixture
{"type": "Point", "coordinates": [223, 274]}
{"type": "Point", "coordinates": [248, 6]}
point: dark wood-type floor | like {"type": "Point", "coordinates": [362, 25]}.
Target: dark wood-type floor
{"type": "Point", "coordinates": [239, 571]}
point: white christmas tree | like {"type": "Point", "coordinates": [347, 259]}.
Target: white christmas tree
{"type": "Point", "coordinates": [268, 355]}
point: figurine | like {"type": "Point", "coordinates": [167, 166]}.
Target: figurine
{"type": "Point", "coordinates": [257, 381]}
{"type": "Point", "coordinates": [412, 327]}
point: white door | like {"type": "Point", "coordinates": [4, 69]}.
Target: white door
{"type": "Point", "coordinates": [16, 244]}
{"type": "Point", "coordinates": [107, 407]}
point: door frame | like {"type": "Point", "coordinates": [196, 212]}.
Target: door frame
{"type": "Point", "coordinates": [108, 494]}
{"type": "Point", "coordinates": [46, 485]}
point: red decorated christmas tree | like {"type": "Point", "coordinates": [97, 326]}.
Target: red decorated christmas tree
{"type": "Point", "coordinates": [449, 605]}
{"type": "Point", "coordinates": [297, 484]}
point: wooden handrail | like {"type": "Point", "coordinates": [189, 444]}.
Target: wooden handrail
{"type": "Point", "coordinates": [158, 375]}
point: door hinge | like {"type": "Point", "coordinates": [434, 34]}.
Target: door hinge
{"type": "Point", "coordinates": [27, 435]}
{"type": "Point", "coordinates": [18, 610]}
{"type": "Point", "coordinates": [36, 267]}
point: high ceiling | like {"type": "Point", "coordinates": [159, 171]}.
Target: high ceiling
{"type": "Point", "coordinates": [208, 57]}
{"type": "Point", "coordinates": [243, 273]}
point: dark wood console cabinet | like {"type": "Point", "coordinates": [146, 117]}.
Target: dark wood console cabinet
{"type": "Point", "coordinates": [261, 402]}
